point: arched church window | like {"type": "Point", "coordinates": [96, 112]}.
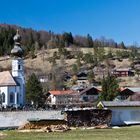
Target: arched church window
{"type": "Point", "coordinates": [3, 97]}
{"type": "Point", "coordinates": [17, 97]}
{"type": "Point", "coordinates": [18, 67]}
{"type": "Point", "coordinates": [11, 97]}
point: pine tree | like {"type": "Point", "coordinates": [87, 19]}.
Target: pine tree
{"type": "Point", "coordinates": [67, 38]}
{"type": "Point", "coordinates": [90, 41]}
{"type": "Point", "coordinates": [88, 58]}
{"type": "Point", "coordinates": [90, 76]}
{"type": "Point", "coordinates": [74, 69]}
{"type": "Point", "coordinates": [122, 46]}
{"type": "Point", "coordinates": [110, 88]}
{"type": "Point", "coordinates": [34, 91]}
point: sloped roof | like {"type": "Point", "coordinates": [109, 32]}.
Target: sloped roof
{"type": "Point", "coordinates": [93, 90]}
{"type": "Point", "coordinates": [120, 103]}
{"type": "Point", "coordinates": [126, 91]}
{"type": "Point", "coordinates": [134, 89]}
{"type": "Point", "coordinates": [6, 79]}
{"type": "Point", "coordinates": [61, 92]}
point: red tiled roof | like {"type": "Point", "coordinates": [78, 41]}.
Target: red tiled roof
{"type": "Point", "coordinates": [61, 92]}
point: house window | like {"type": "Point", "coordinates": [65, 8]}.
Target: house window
{"type": "Point", "coordinates": [3, 97]}
{"type": "Point", "coordinates": [11, 97]}
{"type": "Point", "coordinates": [85, 99]}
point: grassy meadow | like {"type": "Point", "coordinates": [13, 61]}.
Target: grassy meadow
{"type": "Point", "coordinates": [124, 133]}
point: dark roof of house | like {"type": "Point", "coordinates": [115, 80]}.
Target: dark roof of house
{"type": "Point", "coordinates": [82, 74]}
{"type": "Point", "coordinates": [120, 103]}
{"type": "Point", "coordinates": [126, 91]}
{"type": "Point", "coordinates": [91, 90]}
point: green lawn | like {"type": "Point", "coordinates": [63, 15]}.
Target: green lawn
{"type": "Point", "coordinates": [128, 133]}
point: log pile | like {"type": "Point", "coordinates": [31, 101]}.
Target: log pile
{"type": "Point", "coordinates": [46, 125]}
{"type": "Point", "coordinates": [50, 128]}
{"type": "Point", "coordinates": [88, 118]}
{"type": "Point", "coordinates": [56, 128]}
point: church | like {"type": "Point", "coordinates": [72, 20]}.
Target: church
{"type": "Point", "coordinates": [12, 84]}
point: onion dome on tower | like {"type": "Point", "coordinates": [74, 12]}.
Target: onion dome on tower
{"type": "Point", "coordinates": [17, 50]}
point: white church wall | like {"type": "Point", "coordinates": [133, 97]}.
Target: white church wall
{"type": "Point", "coordinates": [7, 90]}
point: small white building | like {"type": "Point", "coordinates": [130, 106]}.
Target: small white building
{"type": "Point", "coordinates": [12, 85]}
{"type": "Point", "coordinates": [123, 112]}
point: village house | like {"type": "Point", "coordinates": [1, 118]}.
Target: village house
{"type": "Point", "coordinates": [77, 88]}
{"type": "Point", "coordinates": [90, 95]}
{"type": "Point", "coordinates": [82, 79]}
{"type": "Point", "coordinates": [136, 95]}
{"type": "Point", "coordinates": [69, 97]}
{"type": "Point", "coordinates": [129, 93]}
{"type": "Point", "coordinates": [123, 112]}
{"type": "Point", "coordinates": [57, 97]}
{"type": "Point", "coordinates": [123, 72]}
{"type": "Point", "coordinates": [43, 79]}
{"type": "Point", "coordinates": [124, 94]}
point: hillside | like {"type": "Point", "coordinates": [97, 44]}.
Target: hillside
{"type": "Point", "coordinates": [38, 63]}
{"type": "Point", "coordinates": [41, 66]}
{"type": "Point", "coordinates": [47, 53]}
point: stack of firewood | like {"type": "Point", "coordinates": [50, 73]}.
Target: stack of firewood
{"type": "Point", "coordinates": [49, 128]}
{"type": "Point", "coordinates": [56, 128]}
{"type": "Point", "coordinates": [88, 118]}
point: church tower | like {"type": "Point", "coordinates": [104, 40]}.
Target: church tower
{"type": "Point", "coordinates": [18, 67]}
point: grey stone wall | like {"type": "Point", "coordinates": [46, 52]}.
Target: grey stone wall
{"type": "Point", "coordinates": [15, 119]}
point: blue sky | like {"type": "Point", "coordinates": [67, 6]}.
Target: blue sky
{"type": "Point", "coordinates": [116, 19]}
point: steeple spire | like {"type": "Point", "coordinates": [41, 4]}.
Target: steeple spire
{"type": "Point", "coordinates": [17, 51]}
